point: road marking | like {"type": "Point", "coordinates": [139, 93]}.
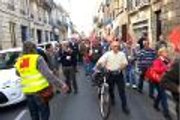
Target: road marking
{"type": "Point", "coordinates": [20, 115]}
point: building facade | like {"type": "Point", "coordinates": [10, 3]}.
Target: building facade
{"type": "Point", "coordinates": [134, 17]}
{"type": "Point", "coordinates": [61, 23]}
{"type": "Point", "coordinates": [139, 14]}
{"type": "Point", "coordinates": [170, 15]}
{"type": "Point", "coordinates": [23, 20]}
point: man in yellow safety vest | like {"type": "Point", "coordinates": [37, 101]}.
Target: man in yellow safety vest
{"type": "Point", "coordinates": [35, 78]}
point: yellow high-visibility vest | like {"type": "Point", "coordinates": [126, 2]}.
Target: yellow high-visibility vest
{"type": "Point", "coordinates": [32, 80]}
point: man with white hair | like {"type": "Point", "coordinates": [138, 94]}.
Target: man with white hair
{"type": "Point", "coordinates": [115, 62]}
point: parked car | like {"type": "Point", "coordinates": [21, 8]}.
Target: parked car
{"type": "Point", "coordinates": [10, 87]}
{"type": "Point", "coordinates": [43, 45]}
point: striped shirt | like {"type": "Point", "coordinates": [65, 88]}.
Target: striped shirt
{"type": "Point", "coordinates": [145, 58]}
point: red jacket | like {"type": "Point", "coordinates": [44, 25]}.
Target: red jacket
{"type": "Point", "coordinates": [160, 66]}
{"type": "Point", "coordinates": [157, 69]}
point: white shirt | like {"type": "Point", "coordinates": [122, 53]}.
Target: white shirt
{"type": "Point", "coordinates": [113, 61]}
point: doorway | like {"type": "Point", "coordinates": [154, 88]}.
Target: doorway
{"type": "Point", "coordinates": [158, 24]}
{"type": "Point", "coordinates": [39, 36]}
{"type": "Point", "coordinates": [24, 35]}
{"type": "Point", "coordinates": [124, 33]}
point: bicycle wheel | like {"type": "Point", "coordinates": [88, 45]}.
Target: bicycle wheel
{"type": "Point", "coordinates": [105, 105]}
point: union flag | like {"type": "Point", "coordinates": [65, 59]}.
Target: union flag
{"type": "Point", "coordinates": [24, 63]}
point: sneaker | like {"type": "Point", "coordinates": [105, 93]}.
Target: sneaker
{"type": "Point", "coordinates": [75, 92]}
{"type": "Point", "coordinates": [113, 102]}
{"type": "Point", "coordinates": [127, 84]}
{"type": "Point", "coordinates": [156, 108]}
{"type": "Point", "coordinates": [69, 91]}
{"type": "Point", "coordinates": [140, 91]}
{"type": "Point", "coordinates": [134, 86]}
{"type": "Point", "coordinates": [152, 97]}
{"type": "Point", "coordinates": [167, 117]}
{"type": "Point", "coordinates": [126, 111]}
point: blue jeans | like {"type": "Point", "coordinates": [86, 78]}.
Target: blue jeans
{"type": "Point", "coordinates": [88, 68]}
{"type": "Point", "coordinates": [141, 83]}
{"type": "Point", "coordinates": [161, 98]}
{"type": "Point", "coordinates": [39, 110]}
{"type": "Point", "coordinates": [130, 75]}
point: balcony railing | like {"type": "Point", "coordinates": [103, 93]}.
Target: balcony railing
{"type": "Point", "coordinates": [134, 5]}
{"type": "Point", "coordinates": [144, 3]}
{"type": "Point", "coordinates": [32, 16]}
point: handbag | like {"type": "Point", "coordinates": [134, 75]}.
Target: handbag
{"type": "Point", "coordinates": [47, 94]}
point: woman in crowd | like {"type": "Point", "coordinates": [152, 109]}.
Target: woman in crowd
{"type": "Point", "coordinates": [160, 66]}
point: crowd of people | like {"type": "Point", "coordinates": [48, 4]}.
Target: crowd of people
{"type": "Point", "coordinates": [128, 64]}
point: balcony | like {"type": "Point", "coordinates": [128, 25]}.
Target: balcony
{"type": "Point", "coordinates": [11, 6]}
{"type": "Point", "coordinates": [23, 12]}
{"type": "Point", "coordinates": [143, 3]}
{"type": "Point", "coordinates": [137, 5]}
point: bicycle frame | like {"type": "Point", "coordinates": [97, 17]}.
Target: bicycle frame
{"type": "Point", "coordinates": [104, 98]}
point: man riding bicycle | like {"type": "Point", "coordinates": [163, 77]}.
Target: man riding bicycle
{"type": "Point", "coordinates": [114, 61]}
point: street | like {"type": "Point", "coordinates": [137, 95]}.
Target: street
{"type": "Point", "coordinates": [84, 106]}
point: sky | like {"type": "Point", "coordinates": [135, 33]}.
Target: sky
{"type": "Point", "coordinates": [81, 13]}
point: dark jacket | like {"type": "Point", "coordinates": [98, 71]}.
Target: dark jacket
{"type": "Point", "coordinates": [140, 42]}
{"type": "Point", "coordinates": [96, 53]}
{"type": "Point", "coordinates": [161, 44]}
{"type": "Point", "coordinates": [68, 59]}
{"type": "Point", "coordinates": [171, 79]}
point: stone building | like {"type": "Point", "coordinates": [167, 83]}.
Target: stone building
{"type": "Point", "coordinates": [170, 15]}
{"type": "Point", "coordinates": [61, 22]}
{"type": "Point", "coordinates": [139, 14]}
{"type": "Point", "coordinates": [134, 17]}
{"type": "Point", "coordinates": [22, 20]}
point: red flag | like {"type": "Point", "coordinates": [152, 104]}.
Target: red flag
{"type": "Point", "coordinates": [174, 38]}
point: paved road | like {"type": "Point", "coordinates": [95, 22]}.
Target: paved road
{"type": "Point", "coordinates": [84, 106]}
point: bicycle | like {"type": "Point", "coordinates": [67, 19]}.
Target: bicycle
{"type": "Point", "coordinates": [103, 94]}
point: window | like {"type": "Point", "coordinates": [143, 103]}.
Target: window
{"type": "Point", "coordinates": [23, 7]}
{"type": "Point", "coordinates": [46, 36]}
{"type": "Point", "coordinates": [12, 33]}
{"type": "Point", "coordinates": [8, 59]}
{"type": "Point", "coordinates": [40, 12]}
{"type": "Point", "coordinates": [24, 33]}
{"type": "Point", "coordinates": [131, 5]}
{"type": "Point", "coordinates": [10, 4]}
{"type": "Point", "coordinates": [32, 33]}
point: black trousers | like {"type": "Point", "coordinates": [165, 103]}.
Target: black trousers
{"type": "Point", "coordinates": [70, 76]}
{"type": "Point", "coordinates": [117, 79]}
